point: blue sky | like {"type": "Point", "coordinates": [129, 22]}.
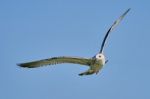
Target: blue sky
{"type": "Point", "coordinates": [36, 29]}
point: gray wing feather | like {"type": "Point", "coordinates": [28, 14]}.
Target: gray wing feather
{"type": "Point", "coordinates": [57, 60]}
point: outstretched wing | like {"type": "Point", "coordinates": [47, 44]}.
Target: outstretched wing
{"type": "Point", "coordinates": [57, 60]}
{"type": "Point", "coordinates": [111, 28]}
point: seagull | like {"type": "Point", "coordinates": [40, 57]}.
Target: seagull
{"type": "Point", "coordinates": [94, 63]}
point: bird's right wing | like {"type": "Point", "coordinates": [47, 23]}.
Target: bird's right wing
{"type": "Point", "coordinates": [57, 60]}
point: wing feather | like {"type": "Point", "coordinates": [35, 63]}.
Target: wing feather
{"type": "Point", "coordinates": [57, 60]}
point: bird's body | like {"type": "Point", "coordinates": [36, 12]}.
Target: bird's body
{"type": "Point", "coordinates": [95, 63]}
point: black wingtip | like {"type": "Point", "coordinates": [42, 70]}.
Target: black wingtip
{"type": "Point", "coordinates": [128, 10]}
{"type": "Point", "coordinates": [81, 74]}
{"type": "Point", "coordinates": [22, 65]}
{"type": "Point", "coordinates": [18, 64]}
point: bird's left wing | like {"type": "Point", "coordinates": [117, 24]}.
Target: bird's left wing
{"type": "Point", "coordinates": [57, 60]}
{"type": "Point", "coordinates": [112, 28]}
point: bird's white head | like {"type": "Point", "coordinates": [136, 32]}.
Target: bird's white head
{"type": "Point", "coordinates": [100, 57]}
